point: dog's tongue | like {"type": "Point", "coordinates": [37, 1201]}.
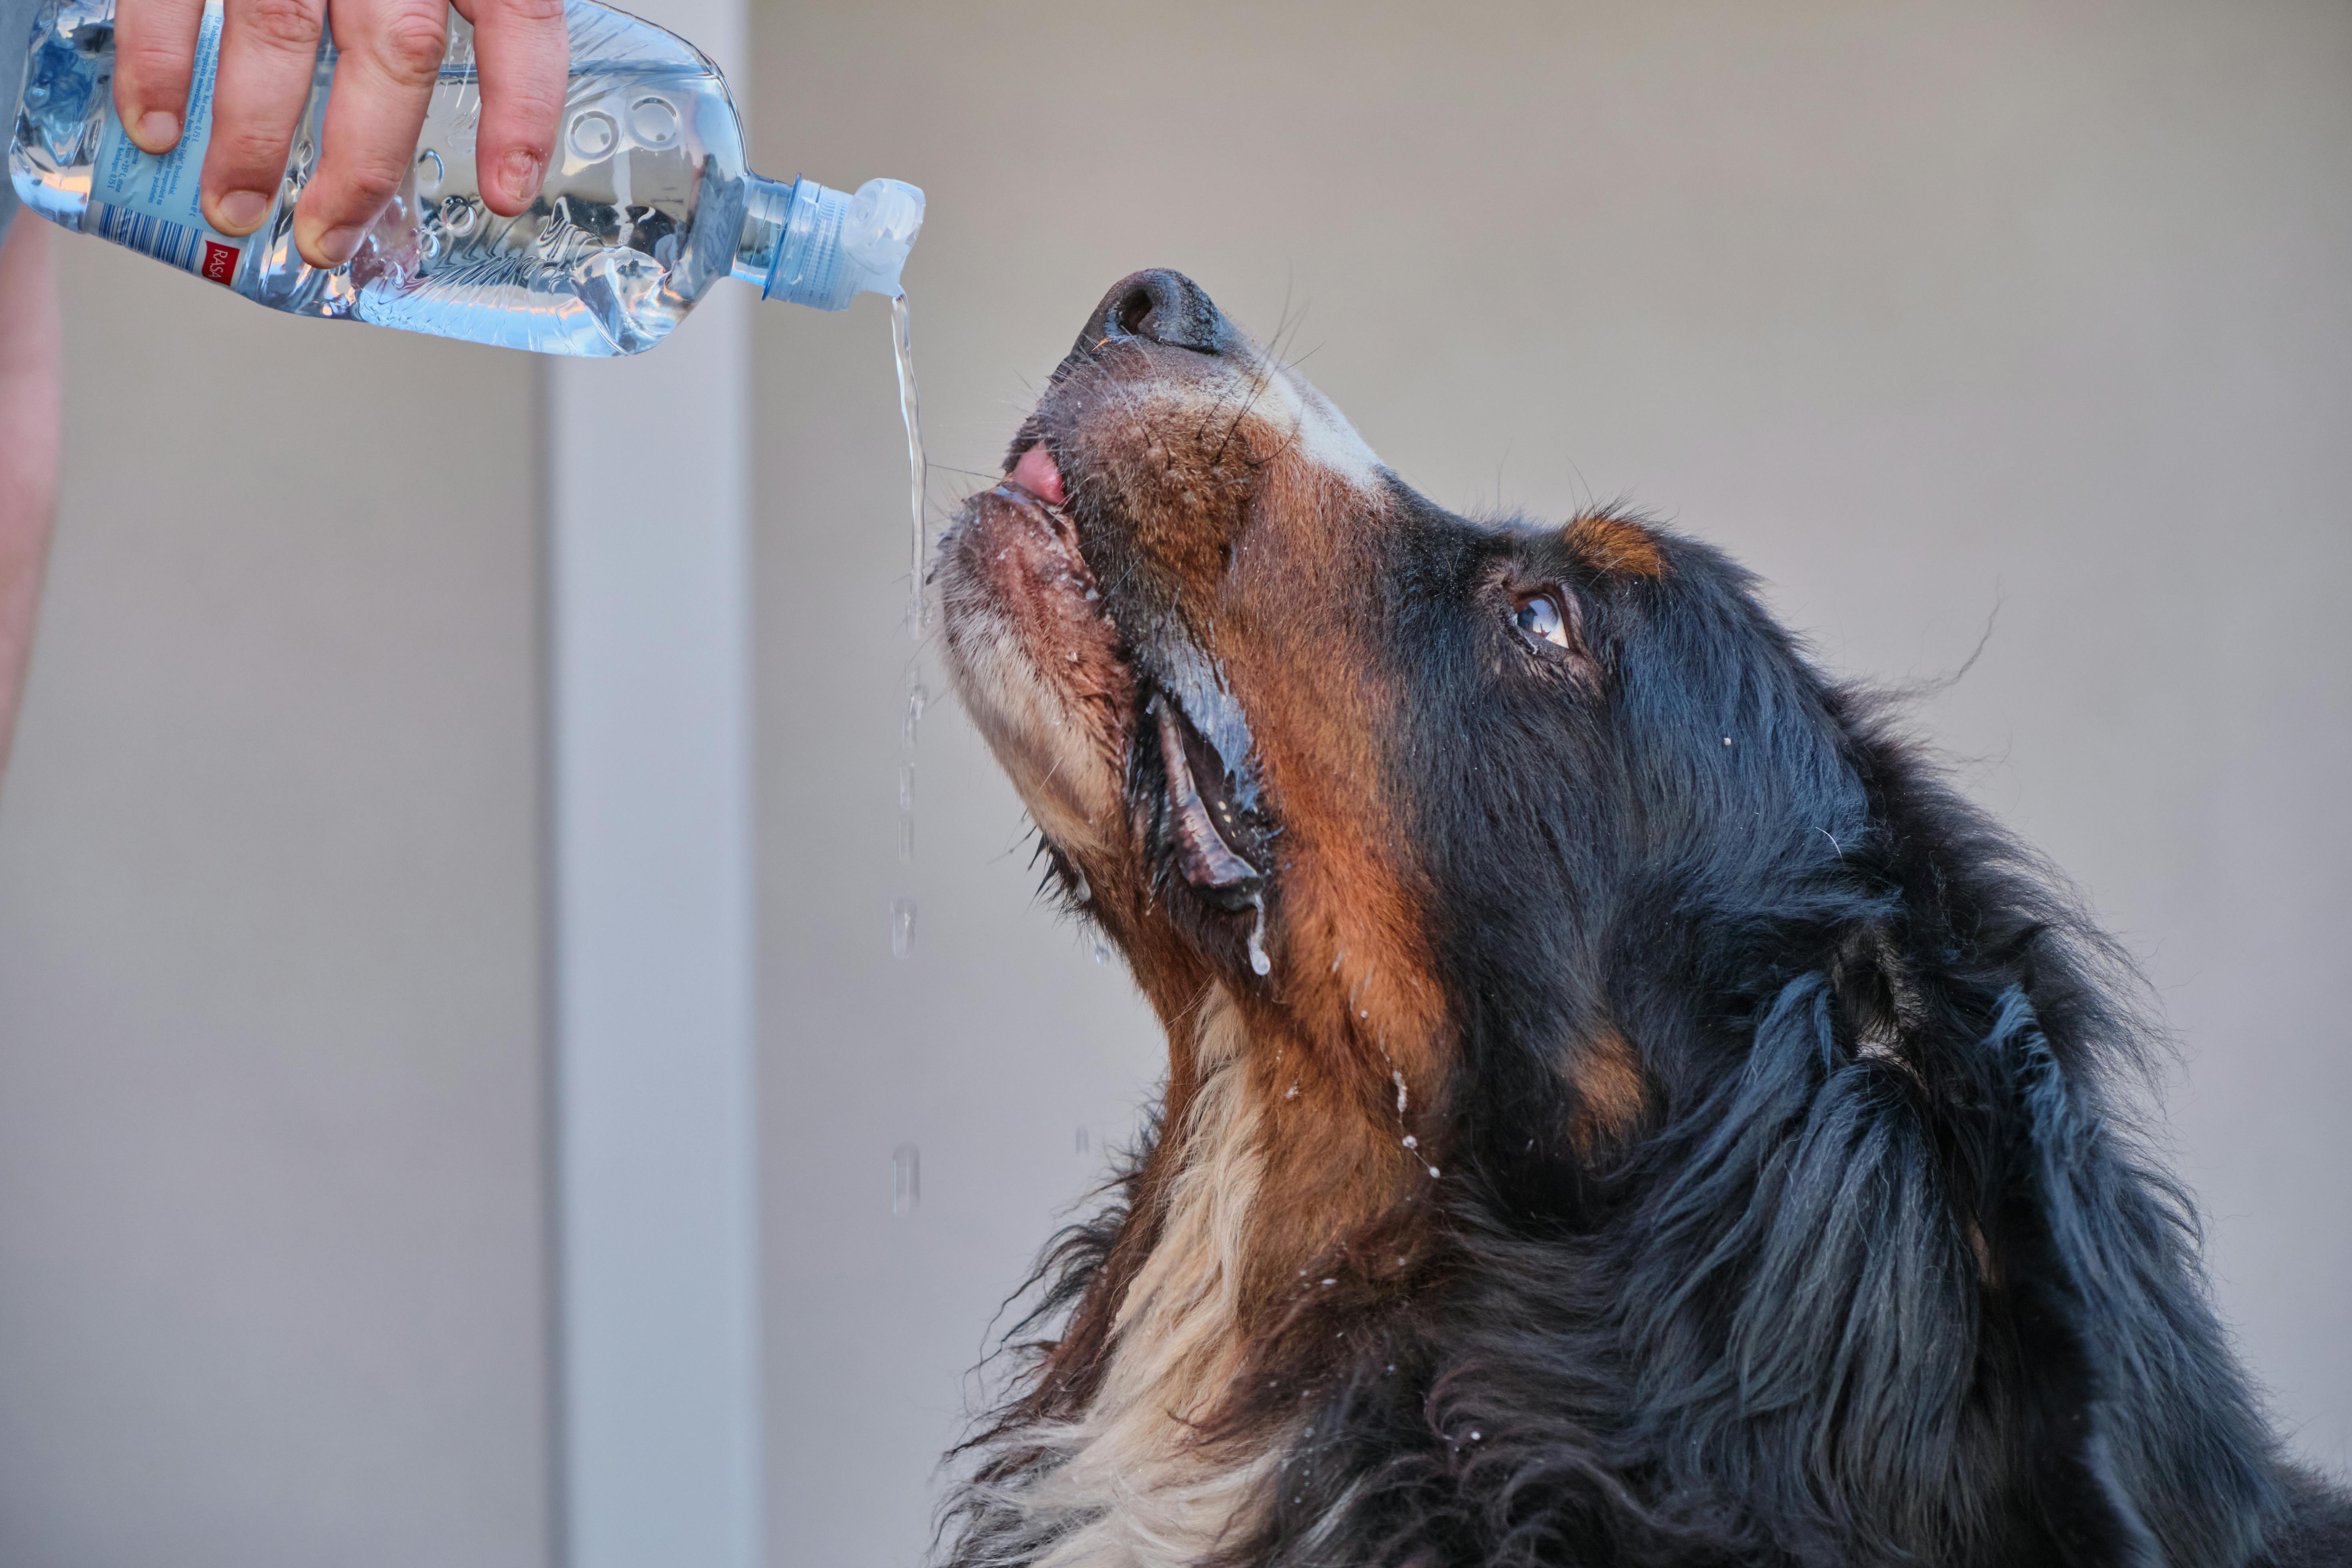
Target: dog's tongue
{"type": "Point", "coordinates": [1036, 474]}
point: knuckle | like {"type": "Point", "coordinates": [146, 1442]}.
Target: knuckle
{"type": "Point", "coordinates": [411, 46]}
{"type": "Point", "coordinates": [291, 26]}
{"type": "Point", "coordinates": [365, 185]}
{"type": "Point", "coordinates": [352, 185]}
{"type": "Point", "coordinates": [248, 159]}
{"type": "Point", "coordinates": [148, 63]}
{"type": "Point", "coordinates": [527, 117]}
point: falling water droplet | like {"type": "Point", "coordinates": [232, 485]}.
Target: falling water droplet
{"type": "Point", "coordinates": [1102, 951]}
{"type": "Point", "coordinates": [906, 1180]}
{"type": "Point", "coordinates": [1084, 1143]}
{"type": "Point", "coordinates": [906, 836]}
{"type": "Point", "coordinates": [906, 786]}
{"type": "Point", "coordinates": [917, 700]}
{"type": "Point", "coordinates": [902, 928]}
{"type": "Point", "coordinates": [1085, 888]}
{"type": "Point", "coordinates": [910, 410]}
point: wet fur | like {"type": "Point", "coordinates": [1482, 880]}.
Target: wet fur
{"type": "Point", "coordinates": [1679, 1130]}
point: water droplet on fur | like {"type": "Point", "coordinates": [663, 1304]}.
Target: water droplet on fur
{"type": "Point", "coordinates": [1411, 1142]}
{"type": "Point", "coordinates": [1398, 1078]}
{"type": "Point", "coordinates": [1432, 1170]}
{"type": "Point", "coordinates": [902, 928]}
{"type": "Point", "coordinates": [906, 1180]}
{"type": "Point", "coordinates": [1085, 888]}
{"type": "Point", "coordinates": [1259, 962]}
{"type": "Point", "coordinates": [1727, 740]}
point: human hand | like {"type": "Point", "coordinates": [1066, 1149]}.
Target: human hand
{"type": "Point", "coordinates": [389, 54]}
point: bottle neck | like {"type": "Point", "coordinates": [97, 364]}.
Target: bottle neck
{"type": "Point", "coordinates": [767, 215]}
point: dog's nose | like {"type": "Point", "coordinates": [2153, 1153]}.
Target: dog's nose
{"type": "Point", "coordinates": [1161, 307]}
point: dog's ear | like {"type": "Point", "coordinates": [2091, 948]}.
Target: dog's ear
{"type": "Point", "coordinates": [1901, 1286]}
{"type": "Point", "coordinates": [2144, 1446]}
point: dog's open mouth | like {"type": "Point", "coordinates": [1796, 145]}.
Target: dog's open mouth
{"type": "Point", "coordinates": [1155, 720]}
{"type": "Point", "coordinates": [1205, 828]}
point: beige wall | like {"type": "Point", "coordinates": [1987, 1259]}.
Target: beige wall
{"type": "Point", "coordinates": [270, 1234]}
{"type": "Point", "coordinates": [1918, 309]}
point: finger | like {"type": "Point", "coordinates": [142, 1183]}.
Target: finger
{"type": "Point", "coordinates": [388, 54]}
{"type": "Point", "coordinates": [524, 54]}
{"type": "Point", "coordinates": [154, 50]}
{"type": "Point", "coordinates": [268, 51]}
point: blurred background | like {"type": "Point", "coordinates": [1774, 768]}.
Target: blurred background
{"type": "Point", "coordinates": [1926, 312]}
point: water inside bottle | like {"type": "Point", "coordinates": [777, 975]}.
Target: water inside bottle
{"type": "Point", "coordinates": [605, 260]}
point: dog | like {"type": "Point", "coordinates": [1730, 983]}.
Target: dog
{"type": "Point", "coordinates": [1623, 1107]}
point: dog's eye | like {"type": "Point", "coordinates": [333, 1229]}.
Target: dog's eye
{"type": "Point", "coordinates": [1539, 620]}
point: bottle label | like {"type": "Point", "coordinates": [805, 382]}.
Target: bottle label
{"type": "Point", "coordinates": [152, 204]}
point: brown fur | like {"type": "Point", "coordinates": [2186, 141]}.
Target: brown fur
{"type": "Point", "coordinates": [1612, 543]}
{"type": "Point", "coordinates": [1610, 1097]}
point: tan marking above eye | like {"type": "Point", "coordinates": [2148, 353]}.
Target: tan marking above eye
{"type": "Point", "coordinates": [1616, 544]}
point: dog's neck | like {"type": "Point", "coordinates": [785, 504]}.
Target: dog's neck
{"type": "Point", "coordinates": [1329, 1137]}
{"type": "Point", "coordinates": [1271, 1162]}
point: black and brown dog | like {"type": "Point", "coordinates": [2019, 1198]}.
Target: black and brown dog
{"type": "Point", "coordinates": [1622, 1108]}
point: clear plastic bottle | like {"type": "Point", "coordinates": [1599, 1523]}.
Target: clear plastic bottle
{"type": "Point", "coordinates": [648, 202]}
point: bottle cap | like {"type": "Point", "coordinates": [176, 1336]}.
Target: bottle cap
{"type": "Point", "coordinates": [836, 246]}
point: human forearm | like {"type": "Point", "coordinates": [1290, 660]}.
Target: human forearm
{"type": "Point", "coordinates": [30, 420]}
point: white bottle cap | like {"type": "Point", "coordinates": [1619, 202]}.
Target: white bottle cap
{"type": "Point", "coordinates": [836, 247]}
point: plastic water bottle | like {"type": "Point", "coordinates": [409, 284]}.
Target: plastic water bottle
{"type": "Point", "coordinates": [648, 203]}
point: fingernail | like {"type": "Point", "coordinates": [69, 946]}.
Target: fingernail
{"type": "Point", "coordinates": [339, 244]}
{"type": "Point", "coordinates": [158, 129]}
{"type": "Point", "coordinates": [240, 212]}
{"type": "Point", "coordinates": [523, 173]}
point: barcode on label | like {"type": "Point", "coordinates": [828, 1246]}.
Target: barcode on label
{"type": "Point", "coordinates": [185, 246]}
{"type": "Point", "coordinates": [176, 243]}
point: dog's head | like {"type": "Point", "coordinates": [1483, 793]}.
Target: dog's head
{"type": "Point", "coordinates": [1385, 772]}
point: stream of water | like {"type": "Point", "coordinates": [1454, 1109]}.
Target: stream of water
{"type": "Point", "coordinates": [911, 409]}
